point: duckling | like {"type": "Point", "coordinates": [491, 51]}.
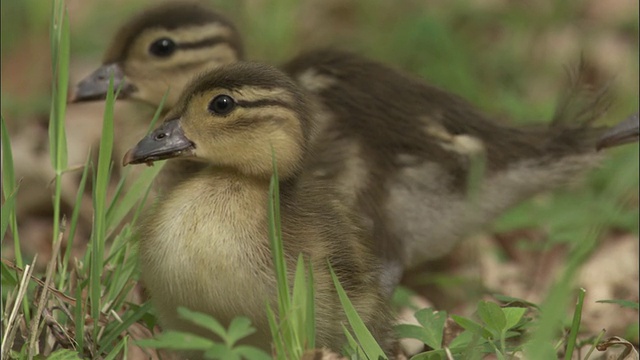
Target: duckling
{"type": "Point", "coordinates": [403, 152]}
{"type": "Point", "coordinates": [205, 244]}
{"type": "Point", "coordinates": [161, 49]}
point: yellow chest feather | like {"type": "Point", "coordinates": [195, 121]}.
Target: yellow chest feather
{"type": "Point", "coordinates": [205, 247]}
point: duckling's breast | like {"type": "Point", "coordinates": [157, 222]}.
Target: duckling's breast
{"type": "Point", "coordinates": [205, 247]}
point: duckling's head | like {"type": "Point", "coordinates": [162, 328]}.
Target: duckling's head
{"type": "Point", "coordinates": [233, 117]}
{"type": "Point", "coordinates": [163, 48]}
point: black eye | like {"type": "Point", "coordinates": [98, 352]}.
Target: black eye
{"type": "Point", "coordinates": [222, 105]}
{"type": "Point", "coordinates": [162, 47]}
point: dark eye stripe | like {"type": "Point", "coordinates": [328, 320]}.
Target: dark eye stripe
{"type": "Point", "coordinates": [244, 123]}
{"type": "Point", "coordinates": [262, 103]}
{"type": "Point", "coordinates": [208, 42]}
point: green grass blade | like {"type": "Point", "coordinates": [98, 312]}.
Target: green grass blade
{"type": "Point", "coordinates": [9, 188]}
{"type": "Point", "coordinates": [115, 198]}
{"type": "Point", "coordinates": [79, 318]}
{"type": "Point", "coordinates": [156, 115]}
{"type": "Point", "coordinates": [120, 244]}
{"type": "Point", "coordinates": [352, 343]}
{"type": "Point", "coordinates": [369, 345]}
{"type": "Point", "coordinates": [121, 347]}
{"type": "Point", "coordinates": [120, 280]}
{"type": "Point", "coordinates": [277, 251]}
{"type": "Point", "coordinates": [7, 208]}
{"type": "Point", "coordinates": [594, 344]}
{"type": "Point", "coordinates": [106, 343]}
{"type": "Point", "coordinates": [575, 325]}
{"type": "Point", "coordinates": [120, 207]}
{"type": "Point", "coordinates": [60, 49]}
{"type": "Point", "coordinates": [278, 342]}
{"type": "Point", "coordinates": [302, 312]}
{"type": "Point", "coordinates": [539, 346]}
{"type": "Point", "coordinates": [98, 238]}
{"type": "Point", "coordinates": [73, 225]}
{"type": "Point", "coordinates": [622, 303]}
{"type": "Point", "coordinates": [311, 310]}
{"type": "Point", "coordinates": [63, 354]}
{"type": "Point", "coordinates": [298, 308]}
{"type": "Point", "coordinates": [133, 194]}
{"type": "Point", "coordinates": [60, 83]}
{"type": "Point", "coordinates": [275, 236]}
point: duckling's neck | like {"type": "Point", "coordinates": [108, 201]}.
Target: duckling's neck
{"type": "Point", "coordinates": [234, 200]}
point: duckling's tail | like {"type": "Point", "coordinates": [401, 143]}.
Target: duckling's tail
{"type": "Point", "coordinates": [558, 154]}
{"type": "Point", "coordinates": [572, 129]}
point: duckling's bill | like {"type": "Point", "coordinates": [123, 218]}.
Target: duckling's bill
{"type": "Point", "coordinates": [96, 85]}
{"type": "Point", "coordinates": [167, 141]}
{"type": "Point", "coordinates": [625, 132]}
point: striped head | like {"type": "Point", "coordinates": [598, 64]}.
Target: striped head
{"type": "Point", "coordinates": [163, 48]}
{"type": "Point", "coordinates": [232, 117]}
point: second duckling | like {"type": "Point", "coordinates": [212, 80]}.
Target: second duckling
{"type": "Point", "coordinates": [205, 243]}
{"type": "Point", "coordinates": [405, 152]}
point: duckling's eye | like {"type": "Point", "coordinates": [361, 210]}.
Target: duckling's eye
{"type": "Point", "coordinates": [222, 105]}
{"type": "Point", "coordinates": [162, 47]}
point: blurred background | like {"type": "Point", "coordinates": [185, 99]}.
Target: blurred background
{"type": "Point", "coordinates": [507, 57]}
